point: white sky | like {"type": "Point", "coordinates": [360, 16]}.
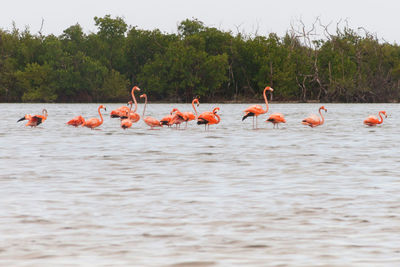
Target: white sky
{"type": "Point", "coordinates": [379, 17]}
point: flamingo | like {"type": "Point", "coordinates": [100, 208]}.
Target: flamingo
{"type": "Point", "coordinates": [76, 121]}
{"type": "Point", "coordinates": [373, 121]}
{"type": "Point", "coordinates": [208, 118]}
{"type": "Point", "coordinates": [95, 122]}
{"type": "Point", "coordinates": [34, 120]}
{"type": "Point", "coordinates": [256, 110]}
{"type": "Point", "coordinates": [313, 120]}
{"type": "Point", "coordinates": [134, 117]}
{"type": "Point", "coordinates": [177, 117]}
{"type": "Point", "coordinates": [276, 118]}
{"type": "Point", "coordinates": [127, 123]}
{"type": "Point", "coordinates": [189, 115]}
{"type": "Point", "coordinates": [150, 121]}
{"type": "Point", "coordinates": [167, 119]}
{"type": "Point", "coordinates": [119, 112]}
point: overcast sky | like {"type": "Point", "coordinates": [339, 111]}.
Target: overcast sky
{"type": "Point", "coordinates": [379, 17]}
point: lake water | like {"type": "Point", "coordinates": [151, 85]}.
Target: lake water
{"type": "Point", "coordinates": [231, 196]}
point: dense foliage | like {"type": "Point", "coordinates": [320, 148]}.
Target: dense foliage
{"type": "Point", "coordinates": [197, 61]}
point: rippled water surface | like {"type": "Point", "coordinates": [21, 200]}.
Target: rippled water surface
{"type": "Point", "coordinates": [231, 196]}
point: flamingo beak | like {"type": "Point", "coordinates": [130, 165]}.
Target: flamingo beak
{"type": "Point", "coordinates": [23, 118]}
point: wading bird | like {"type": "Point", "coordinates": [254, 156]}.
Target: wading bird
{"type": "Point", "coordinates": [76, 121]}
{"type": "Point", "coordinates": [208, 118]}
{"type": "Point", "coordinates": [276, 118]}
{"type": "Point", "coordinates": [150, 121]}
{"type": "Point", "coordinates": [313, 120]}
{"type": "Point", "coordinates": [121, 111]}
{"type": "Point", "coordinates": [34, 120]}
{"type": "Point", "coordinates": [256, 110]}
{"type": "Point", "coordinates": [177, 117]}
{"type": "Point", "coordinates": [127, 123]}
{"type": "Point", "coordinates": [189, 115]}
{"type": "Point", "coordinates": [372, 120]}
{"type": "Point", "coordinates": [95, 122]}
{"type": "Point", "coordinates": [134, 117]}
{"type": "Point", "coordinates": [167, 119]}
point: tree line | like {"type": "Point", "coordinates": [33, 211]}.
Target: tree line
{"type": "Point", "coordinates": [199, 61]}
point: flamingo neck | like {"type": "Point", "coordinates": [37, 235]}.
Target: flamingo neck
{"type": "Point", "coordinates": [101, 117]}
{"type": "Point", "coordinates": [322, 117]}
{"type": "Point", "coordinates": [145, 104]}
{"type": "Point", "coordinates": [134, 99]}
{"type": "Point", "coordinates": [129, 112]}
{"type": "Point", "coordinates": [218, 117]}
{"type": "Point", "coordinates": [194, 108]}
{"type": "Point", "coordinates": [380, 116]}
{"type": "Point", "coordinates": [266, 100]}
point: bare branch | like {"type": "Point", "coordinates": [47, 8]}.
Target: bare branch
{"type": "Point", "coordinates": [41, 28]}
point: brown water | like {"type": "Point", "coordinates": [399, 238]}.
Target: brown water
{"type": "Point", "coordinates": [232, 196]}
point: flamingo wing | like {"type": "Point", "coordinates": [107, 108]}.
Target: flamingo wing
{"type": "Point", "coordinates": [25, 117]}
{"type": "Point", "coordinates": [76, 121]}
{"type": "Point", "coordinates": [206, 118]}
{"type": "Point", "coordinates": [254, 110]}
{"type": "Point", "coordinates": [312, 120]}
{"type": "Point", "coordinates": [152, 122]}
{"type": "Point", "coordinates": [166, 120]}
{"type": "Point", "coordinates": [134, 117]}
{"type": "Point", "coordinates": [119, 112]}
{"type": "Point", "coordinates": [371, 120]}
{"type": "Point", "coordinates": [189, 116]}
{"type": "Point", "coordinates": [92, 123]}
{"type": "Point", "coordinates": [36, 120]}
{"type": "Point", "coordinates": [276, 118]}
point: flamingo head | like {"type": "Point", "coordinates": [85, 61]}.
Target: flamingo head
{"type": "Point", "coordinates": [384, 113]}
{"type": "Point", "coordinates": [174, 110]}
{"type": "Point", "coordinates": [129, 103]}
{"type": "Point", "coordinates": [144, 95]}
{"type": "Point", "coordinates": [102, 107]}
{"type": "Point", "coordinates": [323, 108]}
{"type": "Point", "coordinates": [44, 112]}
{"type": "Point", "coordinates": [269, 88]}
{"type": "Point", "coordinates": [196, 101]}
{"type": "Point", "coordinates": [136, 88]}
{"type": "Point", "coordinates": [215, 110]}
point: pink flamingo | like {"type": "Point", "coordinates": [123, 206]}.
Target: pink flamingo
{"type": "Point", "coordinates": [314, 120]}
{"type": "Point", "coordinates": [256, 110]}
{"type": "Point", "coordinates": [276, 118]}
{"type": "Point", "coordinates": [372, 120]}
{"type": "Point", "coordinates": [177, 117]}
{"type": "Point", "coordinates": [189, 115]}
{"type": "Point", "coordinates": [150, 121]}
{"type": "Point", "coordinates": [134, 117]}
{"type": "Point", "coordinates": [35, 120]}
{"type": "Point", "coordinates": [95, 122]}
{"type": "Point", "coordinates": [127, 123]}
{"type": "Point", "coordinates": [76, 121]}
{"type": "Point", "coordinates": [208, 118]}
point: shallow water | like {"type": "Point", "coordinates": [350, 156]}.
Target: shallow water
{"type": "Point", "coordinates": [327, 196]}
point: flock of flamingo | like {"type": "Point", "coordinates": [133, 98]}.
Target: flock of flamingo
{"type": "Point", "coordinates": [176, 117]}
